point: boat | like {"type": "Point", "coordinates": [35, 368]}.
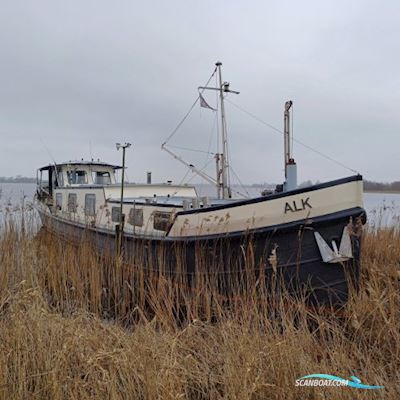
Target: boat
{"type": "Point", "coordinates": [309, 237]}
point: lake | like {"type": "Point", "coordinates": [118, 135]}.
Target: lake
{"type": "Point", "coordinates": [383, 209]}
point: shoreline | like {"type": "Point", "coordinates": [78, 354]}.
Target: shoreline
{"type": "Point", "coordinates": [383, 191]}
{"type": "Point", "coordinates": [33, 181]}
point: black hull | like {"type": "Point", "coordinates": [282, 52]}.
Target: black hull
{"type": "Point", "coordinates": [286, 254]}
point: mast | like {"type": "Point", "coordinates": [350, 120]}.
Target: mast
{"type": "Point", "coordinates": [218, 175]}
{"type": "Point", "coordinates": [224, 161]}
{"type": "Point", "coordinates": [222, 181]}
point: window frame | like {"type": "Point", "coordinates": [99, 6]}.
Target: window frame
{"type": "Point", "coordinates": [95, 176]}
{"type": "Point", "coordinates": [59, 201]}
{"type": "Point", "coordinates": [60, 178]}
{"type": "Point", "coordinates": [135, 217]}
{"type": "Point", "coordinates": [75, 172]}
{"type": "Point", "coordinates": [72, 206]}
{"type": "Point", "coordinates": [162, 220]}
{"type": "Point", "coordinates": [116, 210]}
{"type": "Point", "coordinates": [90, 212]}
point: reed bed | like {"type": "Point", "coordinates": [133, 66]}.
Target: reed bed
{"type": "Point", "coordinates": [77, 325]}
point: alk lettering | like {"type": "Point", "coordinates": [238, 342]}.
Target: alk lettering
{"type": "Point", "coordinates": [295, 206]}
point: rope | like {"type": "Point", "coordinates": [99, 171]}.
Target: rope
{"type": "Point", "coordinates": [293, 139]}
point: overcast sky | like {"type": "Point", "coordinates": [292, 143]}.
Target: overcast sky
{"type": "Point", "coordinates": [78, 76]}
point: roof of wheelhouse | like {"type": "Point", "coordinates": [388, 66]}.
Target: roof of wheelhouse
{"type": "Point", "coordinates": [81, 163]}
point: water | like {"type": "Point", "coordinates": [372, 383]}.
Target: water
{"type": "Point", "coordinates": [16, 206]}
{"type": "Point", "coordinates": [11, 194]}
{"type": "Point", "coordinates": [383, 209]}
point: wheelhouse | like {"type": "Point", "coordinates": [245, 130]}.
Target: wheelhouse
{"type": "Point", "coordinates": [74, 173]}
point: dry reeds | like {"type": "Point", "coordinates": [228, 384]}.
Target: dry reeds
{"type": "Point", "coordinates": [74, 324]}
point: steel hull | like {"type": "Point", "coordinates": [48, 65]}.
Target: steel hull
{"type": "Point", "coordinates": [287, 254]}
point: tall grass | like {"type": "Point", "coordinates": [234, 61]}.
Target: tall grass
{"type": "Point", "coordinates": [74, 325]}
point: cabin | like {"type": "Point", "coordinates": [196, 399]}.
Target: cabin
{"type": "Point", "coordinates": [73, 174]}
{"type": "Point", "coordinates": [87, 193]}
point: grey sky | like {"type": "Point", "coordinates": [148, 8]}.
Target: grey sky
{"type": "Point", "coordinates": [78, 76]}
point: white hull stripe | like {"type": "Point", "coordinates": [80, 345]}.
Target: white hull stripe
{"type": "Point", "coordinates": [282, 210]}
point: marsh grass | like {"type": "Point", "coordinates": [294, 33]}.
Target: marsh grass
{"type": "Point", "coordinates": [77, 325]}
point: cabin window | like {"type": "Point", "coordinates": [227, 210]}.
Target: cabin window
{"type": "Point", "coordinates": [60, 179]}
{"type": "Point", "coordinates": [58, 201]}
{"type": "Point", "coordinates": [162, 220]}
{"type": "Point", "coordinates": [101, 177]}
{"type": "Point", "coordinates": [115, 214]}
{"type": "Point", "coordinates": [90, 205]}
{"type": "Point", "coordinates": [72, 202]}
{"type": "Point", "coordinates": [77, 177]}
{"type": "Point", "coordinates": [54, 183]}
{"type": "Point", "coordinates": [136, 216]}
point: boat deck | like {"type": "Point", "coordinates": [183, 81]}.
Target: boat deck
{"type": "Point", "coordinates": [173, 201]}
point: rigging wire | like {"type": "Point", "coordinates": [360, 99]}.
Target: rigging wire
{"type": "Point", "coordinates": [200, 169]}
{"type": "Point", "coordinates": [236, 175]}
{"type": "Point", "coordinates": [294, 140]}
{"type": "Point", "coordinates": [215, 124]}
{"type": "Point", "coordinates": [183, 179]}
{"type": "Point", "coordinates": [190, 110]}
{"type": "Point", "coordinates": [241, 184]}
{"type": "Point", "coordinates": [189, 149]}
{"type": "Point", "coordinates": [208, 159]}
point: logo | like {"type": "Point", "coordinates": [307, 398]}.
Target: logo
{"type": "Point", "coordinates": [332, 380]}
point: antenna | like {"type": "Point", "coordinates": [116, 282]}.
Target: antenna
{"type": "Point", "coordinates": [90, 150]}
{"type": "Point", "coordinates": [51, 156]}
{"type": "Point", "coordinates": [48, 151]}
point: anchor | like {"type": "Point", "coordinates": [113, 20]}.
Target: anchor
{"type": "Point", "coordinates": [335, 255]}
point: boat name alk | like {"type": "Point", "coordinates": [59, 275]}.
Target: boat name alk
{"type": "Point", "coordinates": [295, 206]}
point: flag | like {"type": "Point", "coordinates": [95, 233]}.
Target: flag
{"type": "Point", "coordinates": [204, 104]}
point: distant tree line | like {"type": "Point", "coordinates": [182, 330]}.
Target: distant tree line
{"type": "Point", "coordinates": [17, 179]}
{"type": "Point", "coordinates": [382, 187]}
{"type": "Point", "coordinates": [369, 186]}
